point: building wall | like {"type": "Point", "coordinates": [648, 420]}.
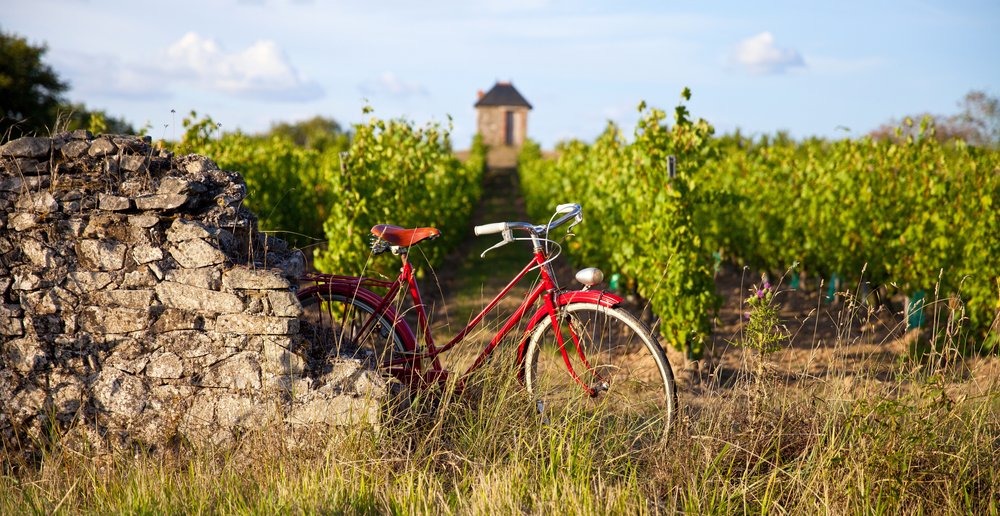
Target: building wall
{"type": "Point", "coordinates": [490, 124]}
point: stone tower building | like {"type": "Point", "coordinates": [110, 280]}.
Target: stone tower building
{"type": "Point", "coordinates": [502, 120]}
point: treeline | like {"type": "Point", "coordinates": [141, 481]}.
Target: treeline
{"type": "Point", "coordinates": [910, 214]}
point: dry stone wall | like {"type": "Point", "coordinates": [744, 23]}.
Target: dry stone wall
{"type": "Point", "coordinates": [139, 305]}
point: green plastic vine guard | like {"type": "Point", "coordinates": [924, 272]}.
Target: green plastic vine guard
{"type": "Point", "coordinates": [832, 287]}
{"type": "Point", "coordinates": [915, 310]}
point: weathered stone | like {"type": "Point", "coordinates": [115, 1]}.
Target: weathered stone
{"type": "Point", "coordinates": [103, 224]}
{"type": "Point", "coordinates": [113, 202]}
{"type": "Point", "coordinates": [240, 371]}
{"type": "Point", "coordinates": [128, 356]}
{"type": "Point", "coordinates": [341, 410]}
{"type": "Point", "coordinates": [30, 167]}
{"type": "Point", "coordinates": [20, 183]}
{"type": "Point", "coordinates": [23, 221]}
{"type": "Point", "coordinates": [170, 398]}
{"type": "Point", "coordinates": [120, 393]}
{"type": "Point", "coordinates": [194, 254]}
{"type": "Point", "coordinates": [146, 220]}
{"type": "Point", "coordinates": [256, 324]}
{"type": "Point", "coordinates": [28, 402]}
{"type": "Point", "coordinates": [138, 279]}
{"type": "Point", "coordinates": [5, 282]}
{"type": "Point", "coordinates": [279, 360]}
{"type": "Point", "coordinates": [70, 195]}
{"type": "Point", "coordinates": [27, 147]}
{"type": "Point", "coordinates": [39, 254]}
{"type": "Point", "coordinates": [75, 149]}
{"type": "Point", "coordinates": [124, 298]}
{"type": "Point", "coordinates": [11, 320]}
{"type": "Point", "coordinates": [145, 253]}
{"type": "Point", "coordinates": [200, 165]}
{"type": "Point", "coordinates": [97, 319]}
{"type": "Point", "coordinates": [350, 375]}
{"type": "Point", "coordinates": [293, 264]}
{"type": "Point", "coordinates": [202, 348]}
{"type": "Point", "coordinates": [44, 326]}
{"type": "Point", "coordinates": [67, 393]}
{"type": "Point", "coordinates": [50, 301]}
{"type": "Point", "coordinates": [207, 277]}
{"type": "Point", "coordinates": [186, 297]}
{"type": "Point", "coordinates": [105, 255]}
{"type": "Point", "coordinates": [183, 230]}
{"type": "Point", "coordinates": [26, 281]}
{"type": "Point", "coordinates": [85, 281]}
{"type": "Point", "coordinates": [71, 207]}
{"type": "Point", "coordinates": [255, 304]}
{"type": "Point", "coordinates": [160, 202]}
{"type": "Point", "coordinates": [173, 319]}
{"type": "Point", "coordinates": [240, 277]}
{"type": "Point", "coordinates": [71, 228]}
{"type": "Point", "coordinates": [102, 147]}
{"type": "Point", "coordinates": [173, 185]}
{"type": "Point", "coordinates": [26, 355]}
{"type": "Point", "coordinates": [165, 365]}
{"type": "Point", "coordinates": [284, 304]}
{"type": "Point", "coordinates": [133, 163]}
{"type": "Point", "coordinates": [235, 411]}
{"type": "Point", "coordinates": [39, 202]}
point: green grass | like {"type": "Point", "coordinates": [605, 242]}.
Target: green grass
{"type": "Point", "coordinates": [930, 447]}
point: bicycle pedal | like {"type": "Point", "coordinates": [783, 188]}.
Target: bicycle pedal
{"type": "Point", "coordinates": [596, 388]}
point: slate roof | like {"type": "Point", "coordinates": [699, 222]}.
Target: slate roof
{"type": "Point", "coordinates": [503, 94]}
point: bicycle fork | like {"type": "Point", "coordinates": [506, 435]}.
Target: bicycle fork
{"type": "Point", "coordinates": [591, 390]}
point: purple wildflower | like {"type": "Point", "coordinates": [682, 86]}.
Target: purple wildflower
{"type": "Point", "coordinates": [760, 294]}
{"type": "Point", "coordinates": [767, 285]}
{"type": "Point", "coordinates": [746, 315]}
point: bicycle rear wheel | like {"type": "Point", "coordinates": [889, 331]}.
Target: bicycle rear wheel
{"type": "Point", "coordinates": [334, 323]}
{"type": "Point", "coordinates": [622, 361]}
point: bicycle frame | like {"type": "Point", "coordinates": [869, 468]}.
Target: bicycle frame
{"type": "Point", "coordinates": [407, 368]}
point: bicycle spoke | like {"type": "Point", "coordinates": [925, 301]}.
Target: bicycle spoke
{"type": "Point", "coordinates": [614, 355]}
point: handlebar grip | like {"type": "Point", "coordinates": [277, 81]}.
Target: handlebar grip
{"type": "Point", "coordinates": [566, 208]}
{"type": "Point", "coordinates": [489, 229]}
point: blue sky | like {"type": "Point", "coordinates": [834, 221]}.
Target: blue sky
{"type": "Point", "coordinates": [761, 67]}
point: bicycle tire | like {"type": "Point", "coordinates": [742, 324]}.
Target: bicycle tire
{"type": "Point", "coordinates": [638, 382]}
{"type": "Point", "coordinates": [333, 322]}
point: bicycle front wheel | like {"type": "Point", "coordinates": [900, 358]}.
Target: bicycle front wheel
{"type": "Point", "coordinates": [335, 323]}
{"type": "Point", "coordinates": [621, 369]}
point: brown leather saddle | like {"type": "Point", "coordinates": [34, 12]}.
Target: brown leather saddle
{"type": "Point", "coordinates": [403, 237]}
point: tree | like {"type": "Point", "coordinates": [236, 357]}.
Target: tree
{"type": "Point", "coordinates": [981, 112]}
{"type": "Point", "coordinates": [978, 123]}
{"type": "Point", "coordinates": [317, 133]}
{"type": "Point", "coordinates": [30, 91]}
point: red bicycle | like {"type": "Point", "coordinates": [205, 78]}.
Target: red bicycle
{"type": "Point", "coordinates": [576, 347]}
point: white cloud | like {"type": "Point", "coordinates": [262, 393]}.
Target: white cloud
{"type": "Point", "coordinates": [262, 70]}
{"type": "Point", "coordinates": [760, 56]}
{"type": "Point", "coordinates": [389, 84]}
{"type": "Point", "coordinates": [106, 76]}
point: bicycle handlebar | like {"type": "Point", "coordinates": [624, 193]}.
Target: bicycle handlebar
{"type": "Point", "coordinates": [489, 229]}
{"type": "Point", "coordinates": [571, 210]}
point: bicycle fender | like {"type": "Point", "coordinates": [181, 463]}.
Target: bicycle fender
{"type": "Point", "coordinates": [595, 297]}
{"type": "Point", "coordinates": [352, 290]}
